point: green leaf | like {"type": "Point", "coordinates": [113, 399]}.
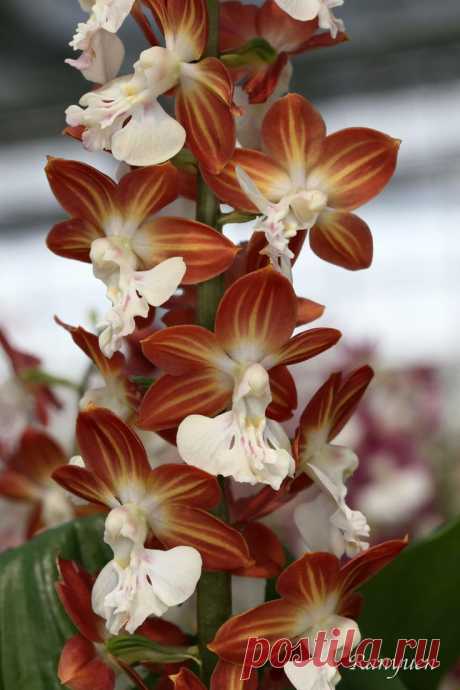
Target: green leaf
{"type": "Point", "coordinates": [139, 649]}
{"type": "Point", "coordinates": [416, 596]}
{"type": "Point", "coordinates": [33, 624]}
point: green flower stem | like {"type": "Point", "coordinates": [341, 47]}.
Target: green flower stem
{"type": "Point", "coordinates": [214, 594]}
{"type": "Point", "coordinates": [214, 605]}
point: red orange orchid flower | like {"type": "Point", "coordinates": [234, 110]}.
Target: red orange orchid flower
{"type": "Point", "coordinates": [126, 117]}
{"type": "Point", "coordinates": [85, 663]}
{"type": "Point", "coordinates": [252, 337]}
{"type": "Point", "coordinates": [317, 594]}
{"type": "Point", "coordinates": [118, 393]}
{"type": "Point", "coordinates": [175, 498]}
{"type": "Point", "coordinates": [141, 259]}
{"type": "Point", "coordinates": [249, 328]}
{"type": "Point", "coordinates": [307, 181]}
{"type": "Point", "coordinates": [285, 36]}
{"type": "Point", "coordinates": [324, 519]}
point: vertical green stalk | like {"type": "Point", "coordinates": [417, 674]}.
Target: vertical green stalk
{"type": "Point", "coordinates": [214, 595]}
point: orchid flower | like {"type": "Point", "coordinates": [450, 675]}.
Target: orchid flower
{"type": "Point", "coordinates": [126, 117]}
{"type": "Point", "coordinates": [307, 181]}
{"type": "Point", "coordinates": [85, 663]}
{"type": "Point", "coordinates": [306, 10]}
{"type": "Point", "coordinates": [241, 29]}
{"type": "Point", "coordinates": [102, 50]}
{"type": "Point", "coordinates": [168, 503]}
{"type": "Point", "coordinates": [27, 477]}
{"type": "Point", "coordinates": [142, 260]}
{"type": "Point", "coordinates": [324, 520]}
{"type": "Point", "coordinates": [117, 394]}
{"type": "Point", "coordinates": [208, 372]}
{"type": "Point", "coordinates": [317, 595]}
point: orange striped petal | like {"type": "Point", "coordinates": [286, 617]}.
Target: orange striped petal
{"type": "Point", "coordinates": [186, 680]}
{"type": "Point", "coordinates": [206, 252]}
{"type": "Point", "coordinates": [367, 564]}
{"type": "Point", "coordinates": [310, 580]}
{"type": "Point", "coordinates": [322, 40]}
{"type": "Point", "coordinates": [80, 667]}
{"type": "Point", "coordinates": [354, 166]}
{"type": "Point", "coordinates": [18, 487]}
{"type": "Point", "coordinates": [184, 484]}
{"type": "Point", "coordinates": [283, 32]}
{"type": "Point", "coordinates": [348, 397]}
{"type": "Point", "coordinates": [304, 346]}
{"type": "Point", "coordinates": [273, 620]}
{"type": "Point", "coordinates": [89, 343]}
{"type": "Point", "coordinates": [342, 239]}
{"type": "Point", "coordinates": [184, 24]}
{"type": "Point", "coordinates": [73, 238]}
{"type": "Point", "coordinates": [237, 23]}
{"type": "Point", "coordinates": [266, 550]}
{"type": "Point", "coordinates": [262, 85]}
{"type": "Point", "coordinates": [284, 394]}
{"type": "Point", "coordinates": [269, 177]}
{"type": "Point", "coordinates": [222, 547]}
{"type": "Point", "coordinates": [82, 191]}
{"type": "Point", "coordinates": [308, 311]}
{"type": "Point", "coordinates": [74, 590]}
{"type": "Point", "coordinates": [331, 407]}
{"type": "Point", "coordinates": [204, 108]}
{"type": "Point", "coordinates": [145, 191]}
{"type": "Point", "coordinates": [180, 349]}
{"type": "Point", "coordinates": [228, 677]}
{"type": "Point", "coordinates": [172, 398]}
{"type": "Point", "coordinates": [111, 450]}
{"type": "Point", "coordinates": [249, 321]}
{"type": "Point", "coordinates": [292, 134]}
{"type": "Point", "coordinates": [86, 484]}
{"type": "Point", "coordinates": [317, 415]}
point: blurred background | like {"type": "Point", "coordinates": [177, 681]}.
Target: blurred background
{"type": "Point", "coordinates": [400, 73]}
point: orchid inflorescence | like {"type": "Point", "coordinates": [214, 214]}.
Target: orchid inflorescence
{"type": "Point", "coordinates": [220, 389]}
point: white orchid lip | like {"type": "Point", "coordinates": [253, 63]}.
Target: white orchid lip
{"type": "Point", "coordinates": [280, 221]}
{"type": "Point", "coordinates": [241, 443]}
{"type": "Point", "coordinates": [140, 582]}
{"type": "Point", "coordinates": [325, 521]}
{"type": "Point", "coordinates": [125, 116]}
{"type": "Point", "coordinates": [131, 292]}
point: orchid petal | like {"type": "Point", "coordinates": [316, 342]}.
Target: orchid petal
{"type": "Point", "coordinates": [342, 239]}
{"type": "Point", "coordinates": [150, 137]}
{"type": "Point", "coordinates": [206, 252]}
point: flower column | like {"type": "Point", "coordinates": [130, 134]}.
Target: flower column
{"type": "Point", "coordinates": [214, 595]}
